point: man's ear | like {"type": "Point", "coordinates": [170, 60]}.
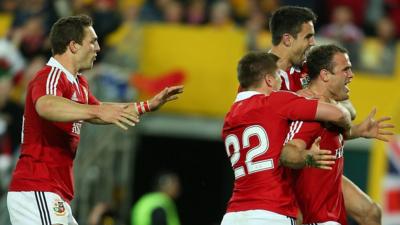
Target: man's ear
{"type": "Point", "coordinates": [287, 39]}
{"type": "Point", "coordinates": [73, 46]}
{"type": "Point", "coordinates": [268, 80]}
{"type": "Point", "coordinates": [324, 74]}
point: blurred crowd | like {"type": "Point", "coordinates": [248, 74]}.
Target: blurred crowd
{"type": "Point", "coordinates": [368, 28]}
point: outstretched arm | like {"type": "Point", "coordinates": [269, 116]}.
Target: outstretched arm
{"type": "Point", "coordinates": [138, 108]}
{"type": "Point", "coordinates": [55, 108]}
{"type": "Point", "coordinates": [295, 155]}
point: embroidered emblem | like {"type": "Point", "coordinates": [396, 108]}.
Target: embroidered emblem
{"type": "Point", "coordinates": [305, 80]}
{"type": "Point", "coordinates": [58, 207]}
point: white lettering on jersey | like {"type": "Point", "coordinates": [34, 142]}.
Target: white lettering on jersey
{"type": "Point", "coordinates": [76, 127]}
{"type": "Point", "coordinates": [339, 152]}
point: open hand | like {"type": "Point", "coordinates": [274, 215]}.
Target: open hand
{"type": "Point", "coordinates": [166, 95]}
{"type": "Point", "coordinates": [371, 128]}
{"type": "Point", "coordinates": [319, 158]}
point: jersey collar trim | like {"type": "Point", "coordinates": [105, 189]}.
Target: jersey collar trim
{"type": "Point", "coordinates": [54, 63]}
{"type": "Point", "coordinates": [246, 94]}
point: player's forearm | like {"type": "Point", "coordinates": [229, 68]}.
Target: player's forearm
{"type": "Point", "coordinates": [55, 108]}
{"type": "Point", "coordinates": [349, 107]}
{"type": "Point", "coordinates": [292, 156]}
{"type": "Point", "coordinates": [353, 133]}
{"type": "Point", "coordinates": [331, 113]}
{"type": "Point", "coordinates": [99, 121]}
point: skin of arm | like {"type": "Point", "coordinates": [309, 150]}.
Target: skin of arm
{"type": "Point", "coordinates": [55, 108]}
{"type": "Point", "coordinates": [331, 113]}
{"type": "Point", "coordinates": [349, 107]}
{"type": "Point", "coordinates": [166, 95]}
{"type": "Point", "coordinates": [346, 104]}
{"type": "Point", "coordinates": [359, 205]}
{"type": "Point", "coordinates": [295, 155]}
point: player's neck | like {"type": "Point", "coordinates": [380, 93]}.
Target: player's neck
{"type": "Point", "coordinates": [67, 63]}
{"type": "Point", "coordinates": [320, 90]}
{"type": "Point", "coordinates": [284, 57]}
{"type": "Point", "coordinates": [263, 90]}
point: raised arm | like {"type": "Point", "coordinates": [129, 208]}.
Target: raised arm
{"type": "Point", "coordinates": [295, 155]}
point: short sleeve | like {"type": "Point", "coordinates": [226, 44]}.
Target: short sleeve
{"type": "Point", "coordinates": [292, 106]}
{"type": "Point", "coordinates": [51, 83]}
{"type": "Point", "coordinates": [306, 131]}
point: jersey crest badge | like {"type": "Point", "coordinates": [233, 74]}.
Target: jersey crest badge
{"type": "Point", "coordinates": [305, 80]}
{"type": "Point", "coordinates": [59, 208]}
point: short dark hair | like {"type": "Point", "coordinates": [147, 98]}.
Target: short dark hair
{"type": "Point", "coordinates": [67, 29]}
{"type": "Point", "coordinates": [253, 66]}
{"type": "Point", "coordinates": [321, 57]}
{"type": "Point", "coordinates": [289, 19]}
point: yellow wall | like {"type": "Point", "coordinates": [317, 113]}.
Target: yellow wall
{"type": "Point", "coordinates": [207, 55]}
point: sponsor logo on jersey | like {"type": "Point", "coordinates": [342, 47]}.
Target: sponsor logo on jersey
{"type": "Point", "coordinates": [58, 207]}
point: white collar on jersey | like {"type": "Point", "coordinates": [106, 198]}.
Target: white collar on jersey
{"type": "Point", "coordinates": [294, 68]}
{"type": "Point", "coordinates": [285, 77]}
{"type": "Point", "coordinates": [246, 94]}
{"type": "Point", "coordinates": [54, 63]}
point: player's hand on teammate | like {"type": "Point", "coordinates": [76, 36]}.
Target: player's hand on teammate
{"type": "Point", "coordinates": [319, 158]}
{"type": "Point", "coordinates": [166, 95]}
{"type": "Point", "coordinates": [371, 128]}
{"type": "Point", "coordinates": [120, 115]}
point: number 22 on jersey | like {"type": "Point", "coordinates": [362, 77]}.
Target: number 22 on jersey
{"type": "Point", "coordinates": [254, 151]}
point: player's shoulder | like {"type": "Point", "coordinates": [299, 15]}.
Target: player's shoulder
{"type": "Point", "coordinates": [284, 94]}
{"type": "Point", "coordinates": [45, 73]}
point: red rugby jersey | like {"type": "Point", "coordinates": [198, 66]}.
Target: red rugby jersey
{"type": "Point", "coordinates": [295, 78]}
{"type": "Point", "coordinates": [48, 148]}
{"type": "Point", "coordinates": [319, 192]}
{"type": "Point", "coordinates": [254, 131]}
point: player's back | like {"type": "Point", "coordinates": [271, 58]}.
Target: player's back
{"type": "Point", "coordinates": [254, 132]}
